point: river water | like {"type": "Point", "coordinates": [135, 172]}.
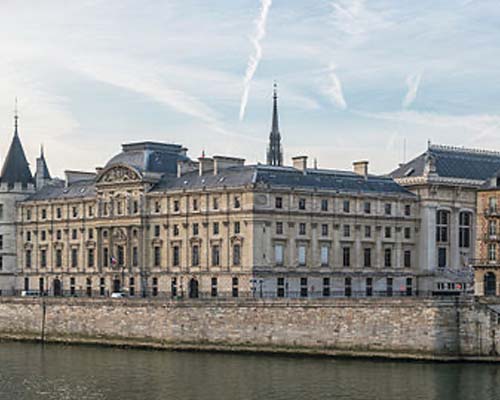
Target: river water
{"type": "Point", "coordinates": [31, 371]}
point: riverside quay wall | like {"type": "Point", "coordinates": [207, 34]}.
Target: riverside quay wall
{"type": "Point", "coordinates": [444, 329]}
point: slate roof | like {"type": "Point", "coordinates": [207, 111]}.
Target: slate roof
{"type": "Point", "coordinates": [16, 168]}
{"type": "Point", "coordinates": [150, 157]}
{"type": "Point", "coordinates": [453, 162]}
{"type": "Point", "coordinates": [285, 177]}
{"type": "Point", "coordinates": [58, 190]}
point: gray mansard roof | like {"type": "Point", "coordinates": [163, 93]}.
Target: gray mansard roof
{"type": "Point", "coordinates": [58, 190]}
{"type": "Point", "coordinates": [285, 177]}
{"type": "Point", "coordinates": [150, 157]}
{"type": "Point", "coordinates": [452, 162]}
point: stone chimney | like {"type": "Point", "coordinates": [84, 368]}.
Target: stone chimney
{"type": "Point", "coordinates": [221, 162]}
{"type": "Point", "coordinates": [300, 163]}
{"type": "Point", "coordinates": [360, 168]}
{"type": "Point", "coordinates": [206, 164]}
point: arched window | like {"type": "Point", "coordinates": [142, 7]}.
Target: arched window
{"type": "Point", "coordinates": [442, 221]}
{"type": "Point", "coordinates": [464, 228]}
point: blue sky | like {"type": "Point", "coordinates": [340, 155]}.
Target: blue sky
{"type": "Point", "coordinates": [357, 78]}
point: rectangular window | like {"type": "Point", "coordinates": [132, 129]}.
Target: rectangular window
{"type": "Point", "coordinates": [175, 230]}
{"type": "Point", "coordinates": [196, 229]}
{"type": "Point", "coordinates": [215, 256]}
{"type": "Point", "coordinates": [442, 220]}
{"type": "Point", "coordinates": [195, 256]}
{"type": "Point", "coordinates": [43, 235]}
{"type": "Point", "coordinates": [43, 258]}
{"type": "Point", "coordinates": [442, 257]}
{"type": "Point", "coordinates": [28, 213]}
{"type": "Point", "coordinates": [280, 286]}
{"type": "Point", "coordinates": [368, 231]}
{"type": "Point", "coordinates": [492, 227]}
{"type": "Point", "coordinates": [303, 287]}
{"type": "Point", "coordinates": [72, 289]}
{"type": "Point", "coordinates": [348, 287]}
{"type": "Point", "coordinates": [278, 254]}
{"type": "Point", "coordinates": [346, 230]}
{"type": "Point", "coordinates": [102, 286]}
{"type": "Point", "coordinates": [135, 207]}
{"type": "Point", "coordinates": [237, 228]}
{"type": "Point", "coordinates": [176, 206]}
{"type": "Point", "coordinates": [215, 228]}
{"type": "Point", "coordinates": [367, 257]}
{"type": "Point", "coordinates": [388, 208]}
{"type": "Point", "coordinates": [91, 234]}
{"type": "Point", "coordinates": [464, 230]}
{"type": "Point", "coordinates": [58, 234]}
{"type": "Point", "coordinates": [407, 258]}
{"type": "Point", "coordinates": [157, 256]}
{"type": "Point", "coordinates": [28, 236]}
{"type": "Point", "coordinates": [407, 233]}
{"type": "Point", "coordinates": [346, 256]}
{"type": "Point", "coordinates": [44, 213]}
{"type": "Point", "coordinates": [369, 287]}
{"type": "Point", "coordinates": [367, 207]}
{"type": "Point", "coordinates": [324, 230]}
{"type": "Point", "coordinates": [1, 242]}
{"type": "Point", "coordinates": [176, 257]}
{"type": "Point", "coordinates": [236, 254]}
{"type": "Point", "coordinates": [236, 202]}
{"type": "Point", "coordinates": [215, 203]}
{"type": "Point", "coordinates": [1, 212]}
{"type": "Point", "coordinates": [58, 258]}
{"type": "Point", "coordinates": [157, 230]}
{"type": "Point", "coordinates": [157, 207]}
{"type": "Point", "coordinates": [135, 256]}
{"type": "Point", "coordinates": [302, 255]}
{"type": "Point", "coordinates": [131, 286]}
{"type": "Point", "coordinates": [407, 210]}
{"type": "Point", "coordinates": [74, 258]}
{"type": "Point", "coordinates": [324, 205]}
{"type": "Point", "coordinates": [195, 204]}
{"type": "Point", "coordinates": [58, 212]}
{"type": "Point", "coordinates": [387, 232]}
{"type": "Point", "coordinates": [326, 287]}
{"type": "Point", "coordinates": [28, 259]}
{"type": "Point", "coordinates": [388, 287]}
{"type": "Point", "coordinates": [324, 255]}
{"type": "Point", "coordinates": [91, 211]}
{"type": "Point", "coordinates": [90, 258]}
{"type": "Point", "coordinates": [121, 255]}
{"type": "Point", "coordinates": [278, 202]}
{"type": "Point", "coordinates": [302, 228]}
{"type": "Point", "coordinates": [74, 212]}
{"type": "Point", "coordinates": [155, 287]}
{"type": "Point", "coordinates": [213, 287]}
{"type": "Point", "coordinates": [302, 204]}
{"type": "Point", "coordinates": [409, 286]}
{"type": "Point", "coordinates": [74, 234]}
{"type": "Point", "coordinates": [105, 256]}
{"type": "Point", "coordinates": [346, 206]}
{"type": "Point", "coordinates": [279, 228]}
{"type": "Point", "coordinates": [235, 286]}
{"type": "Point", "coordinates": [387, 257]}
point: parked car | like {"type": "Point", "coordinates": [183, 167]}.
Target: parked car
{"type": "Point", "coordinates": [118, 295]}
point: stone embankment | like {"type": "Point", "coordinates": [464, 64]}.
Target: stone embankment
{"type": "Point", "coordinates": [438, 329]}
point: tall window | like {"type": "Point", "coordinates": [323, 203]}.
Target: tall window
{"type": "Point", "coordinates": [278, 202]}
{"type": "Point", "coordinates": [196, 229]}
{"type": "Point", "coordinates": [346, 229]}
{"type": "Point", "coordinates": [324, 205]}
{"type": "Point", "coordinates": [28, 259]}
{"type": "Point", "coordinates": [157, 256]}
{"type": "Point", "coordinates": [367, 207]}
{"type": "Point", "coordinates": [324, 229]}
{"type": "Point", "coordinates": [303, 287]}
{"type": "Point", "coordinates": [215, 256]}
{"type": "Point", "coordinates": [1, 242]}
{"type": "Point", "coordinates": [121, 255]}
{"type": "Point", "coordinates": [235, 286]}
{"type": "Point", "coordinates": [135, 256]}
{"type": "Point", "coordinates": [1, 211]}
{"type": "Point", "coordinates": [326, 287]}
{"type": "Point", "coordinates": [464, 228]}
{"type": "Point", "coordinates": [442, 221]}
{"type": "Point", "coordinates": [176, 256]}
{"type": "Point", "coordinates": [407, 258]}
{"type": "Point", "coordinates": [368, 257]}
{"type": "Point", "coordinates": [302, 228]}
{"type": "Point", "coordinates": [302, 255]}
{"type": "Point", "coordinates": [369, 287]}
{"type": "Point", "coordinates": [279, 228]}
{"type": "Point", "coordinates": [492, 227]}
{"type": "Point", "coordinates": [195, 256]}
{"type": "Point", "coordinates": [346, 206]}
{"type": "Point", "coordinates": [278, 254]}
{"type": "Point", "coordinates": [236, 254]}
{"type": "Point", "coordinates": [43, 258]}
{"type": "Point", "coordinates": [442, 257]}
{"type": "Point", "coordinates": [492, 252]}
{"type": "Point", "coordinates": [346, 256]}
{"type": "Point", "coordinates": [387, 257]}
{"type": "Point", "coordinates": [388, 208]}
{"type": "Point", "coordinates": [215, 228]}
{"type": "Point", "coordinates": [105, 256]}
{"type": "Point", "coordinates": [302, 204]}
{"type": "Point", "coordinates": [324, 255]}
{"type": "Point", "coordinates": [90, 257]}
{"type": "Point", "coordinates": [213, 291]}
{"type": "Point", "coordinates": [348, 287]}
{"type": "Point", "coordinates": [368, 231]}
{"type": "Point", "coordinates": [74, 258]}
{"type": "Point", "coordinates": [492, 204]}
{"type": "Point", "coordinates": [58, 258]}
{"type": "Point", "coordinates": [280, 285]}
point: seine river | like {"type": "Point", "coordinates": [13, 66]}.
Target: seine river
{"type": "Point", "coordinates": [30, 371]}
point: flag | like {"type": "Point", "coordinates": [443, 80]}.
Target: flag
{"type": "Point", "coordinates": [114, 261]}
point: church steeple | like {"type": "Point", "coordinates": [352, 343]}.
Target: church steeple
{"type": "Point", "coordinates": [16, 168]}
{"type": "Point", "coordinates": [274, 151]}
{"type": "Point", "coordinates": [42, 174]}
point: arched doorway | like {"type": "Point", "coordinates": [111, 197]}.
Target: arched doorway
{"type": "Point", "coordinates": [57, 287]}
{"type": "Point", "coordinates": [193, 289]}
{"type": "Point", "coordinates": [490, 284]}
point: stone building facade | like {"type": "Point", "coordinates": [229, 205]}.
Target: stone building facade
{"type": "Point", "coordinates": [154, 222]}
{"type": "Point", "coordinates": [487, 261]}
{"type": "Point", "coordinates": [446, 180]}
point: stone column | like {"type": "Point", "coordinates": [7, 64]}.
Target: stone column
{"type": "Point", "coordinates": [427, 238]}
{"type": "Point", "coordinates": [454, 261]}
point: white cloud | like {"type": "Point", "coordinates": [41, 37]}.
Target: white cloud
{"type": "Point", "coordinates": [333, 88]}
{"type": "Point", "coordinates": [413, 83]}
{"type": "Point", "coordinates": [253, 62]}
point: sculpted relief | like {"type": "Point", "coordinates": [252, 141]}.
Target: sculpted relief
{"type": "Point", "coordinates": [119, 175]}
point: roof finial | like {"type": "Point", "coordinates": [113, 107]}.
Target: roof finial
{"type": "Point", "coordinates": [16, 118]}
{"type": "Point", "coordinates": [41, 151]}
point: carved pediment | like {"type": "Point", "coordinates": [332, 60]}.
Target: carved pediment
{"type": "Point", "coordinates": [119, 174]}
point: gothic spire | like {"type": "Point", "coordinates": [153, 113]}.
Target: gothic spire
{"type": "Point", "coordinates": [42, 174]}
{"type": "Point", "coordinates": [274, 152]}
{"type": "Point", "coordinates": [16, 168]}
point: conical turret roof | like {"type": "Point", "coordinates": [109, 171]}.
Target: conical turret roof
{"type": "Point", "coordinates": [16, 168]}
